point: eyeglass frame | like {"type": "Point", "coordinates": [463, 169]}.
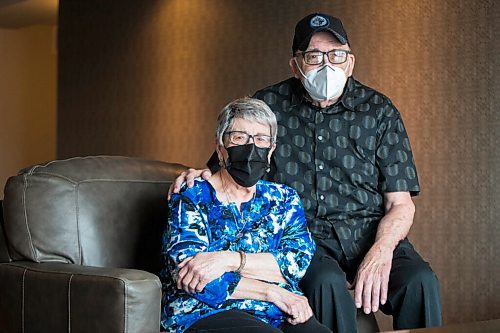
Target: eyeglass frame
{"type": "Point", "coordinates": [303, 53]}
{"type": "Point", "coordinates": [250, 136]}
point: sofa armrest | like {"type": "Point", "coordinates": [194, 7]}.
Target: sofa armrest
{"type": "Point", "coordinates": [60, 297]}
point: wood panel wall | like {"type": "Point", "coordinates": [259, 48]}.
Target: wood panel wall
{"type": "Point", "coordinates": [147, 78]}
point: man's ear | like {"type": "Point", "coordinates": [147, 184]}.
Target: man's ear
{"type": "Point", "coordinates": [352, 60]}
{"type": "Point", "coordinates": [293, 67]}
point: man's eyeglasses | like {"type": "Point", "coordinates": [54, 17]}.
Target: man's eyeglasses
{"type": "Point", "coordinates": [317, 57]}
{"type": "Point", "coordinates": [242, 138]}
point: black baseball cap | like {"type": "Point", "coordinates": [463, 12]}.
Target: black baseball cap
{"type": "Point", "coordinates": [313, 23]}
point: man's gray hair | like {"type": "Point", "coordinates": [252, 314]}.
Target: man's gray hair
{"type": "Point", "coordinates": [247, 108]}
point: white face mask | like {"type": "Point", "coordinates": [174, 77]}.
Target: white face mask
{"type": "Point", "coordinates": [325, 82]}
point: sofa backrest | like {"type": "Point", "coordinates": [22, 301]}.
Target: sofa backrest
{"type": "Point", "coordinates": [105, 211]}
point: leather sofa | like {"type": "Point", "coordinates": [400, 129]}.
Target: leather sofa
{"type": "Point", "coordinates": [84, 238]}
{"type": "Point", "coordinates": [80, 246]}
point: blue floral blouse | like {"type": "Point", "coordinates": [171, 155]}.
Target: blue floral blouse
{"type": "Point", "coordinates": [199, 222]}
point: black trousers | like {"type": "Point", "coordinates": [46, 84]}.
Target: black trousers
{"type": "Point", "coordinates": [413, 295]}
{"type": "Point", "coordinates": [241, 322]}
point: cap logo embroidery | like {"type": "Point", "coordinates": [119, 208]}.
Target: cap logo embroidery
{"type": "Point", "coordinates": [318, 21]}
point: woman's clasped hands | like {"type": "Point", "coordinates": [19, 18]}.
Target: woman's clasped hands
{"type": "Point", "coordinates": [196, 271]}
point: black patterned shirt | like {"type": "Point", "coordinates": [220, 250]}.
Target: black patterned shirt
{"type": "Point", "coordinates": [341, 159]}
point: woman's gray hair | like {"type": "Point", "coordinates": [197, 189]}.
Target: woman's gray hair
{"type": "Point", "coordinates": [245, 108]}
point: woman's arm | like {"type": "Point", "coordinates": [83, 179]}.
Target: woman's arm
{"type": "Point", "coordinates": [295, 307]}
{"type": "Point", "coordinates": [187, 236]}
{"type": "Point", "coordinates": [263, 266]}
{"type": "Point", "coordinates": [296, 247]}
{"type": "Point", "coordinates": [197, 271]}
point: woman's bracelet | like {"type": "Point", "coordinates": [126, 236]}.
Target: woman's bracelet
{"type": "Point", "coordinates": [243, 257]}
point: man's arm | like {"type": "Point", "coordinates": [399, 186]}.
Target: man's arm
{"type": "Point", "coordinates": [372, 278]}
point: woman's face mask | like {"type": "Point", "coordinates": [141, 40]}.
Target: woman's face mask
{"type": "Point", "coordinates": [247, 163]}
{"type": "Point", "coordinates": [325, 82]}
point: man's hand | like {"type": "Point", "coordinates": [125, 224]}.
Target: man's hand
{"type": "Point", "coordinates": [295, 306]}
{"type": "Point", "coordinates": [372, 279]}
{"type": "Point", "coordinates": [195, 272]}
{"type": "Point", "coordinates": [187, 176]}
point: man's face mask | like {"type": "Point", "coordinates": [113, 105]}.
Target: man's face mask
{"type": "Point", "coordinates": [247, 163]}
{"type": "Point", "coordinates": [325, 82]}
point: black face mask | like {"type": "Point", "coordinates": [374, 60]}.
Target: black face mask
{"type": "Point", "coordinates": [247, 163]}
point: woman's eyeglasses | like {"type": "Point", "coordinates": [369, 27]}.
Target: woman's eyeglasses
{"type": "Point", "coordinates": [242, 138]}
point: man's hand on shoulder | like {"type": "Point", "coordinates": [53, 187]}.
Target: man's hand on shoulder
{"type": "Point", "coordinates": [187, 176]}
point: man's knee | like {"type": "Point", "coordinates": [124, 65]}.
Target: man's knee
{"type": "Point", "coordinates": [414, 298]}
{"type": "Point", "coordinates": [410, 270]}
{"type": "Point", "coordinates": [418, 279]}
{"type": "Point", "coordinates": [423, 275]}
{"type": "Point", "coordinates": [325, 275]}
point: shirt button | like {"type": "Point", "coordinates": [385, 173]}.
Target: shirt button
{"type": "Point", "coordinates": [322, 197]}
{"type": "Point", "coordinates": [320, 167]}
{"type": "Point", "coordinates": [320, 137]}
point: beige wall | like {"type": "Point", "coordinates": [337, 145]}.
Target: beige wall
{"type": "Point", "coordinates": [27, 98]}
{"type": "Point", "coordinates": [148, 79]}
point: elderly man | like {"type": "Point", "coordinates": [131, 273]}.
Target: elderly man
{"type": "Point", "coordinates": [344, 148]}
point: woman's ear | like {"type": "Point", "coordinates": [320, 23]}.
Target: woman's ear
{"type": "Point", "coordinates": [271, 152]}
{"type": "Point", "coordinates": [218, 150]}
{"type": "Point", "coordinates": [221, 153]}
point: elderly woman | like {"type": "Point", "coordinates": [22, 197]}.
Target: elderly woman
{"type": "Point", "coordinates": [236, 246]}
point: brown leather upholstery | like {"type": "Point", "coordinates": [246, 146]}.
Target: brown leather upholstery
{"type": "Point", "coordinates": [83, 238]}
